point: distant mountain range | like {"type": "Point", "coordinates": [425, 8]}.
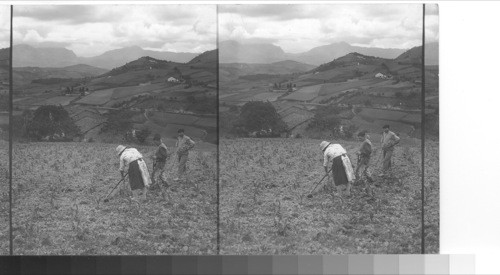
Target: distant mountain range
{"type": "Point", "coordinates": [236, 52]}
{"type": "Point", "coordinates": [27, 74]}
{"type": "Point", "coordinates": [29, 56]}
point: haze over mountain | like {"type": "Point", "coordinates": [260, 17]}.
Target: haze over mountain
{"type": "Point", "coordinates": [235, 52]}
{"type": "Point", "coordinates": [431, 54]}
{"type": "Point", "coordinates": [29, 56]}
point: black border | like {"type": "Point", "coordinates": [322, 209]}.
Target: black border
{"type": "Point", "coordinates": [218, 132]}
{"type": "Point", "coordinates": [422, 135]}
{"type": "Point", "coordinates": [11, 245]}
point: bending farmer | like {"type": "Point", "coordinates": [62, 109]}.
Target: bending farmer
{"type": "Point", "coordinates": [131, 160]}
{"type": "Point", "coordinates": [341, 167]}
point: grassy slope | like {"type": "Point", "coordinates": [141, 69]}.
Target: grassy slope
{"type": "Point", "coordinates": [4, 198]}
{"type": "Point", "coordinates": [264, 208]}
{"type": "Point", "coordinates": [431, 197]}
{"type": "Point", "coordinates": [56, 188]}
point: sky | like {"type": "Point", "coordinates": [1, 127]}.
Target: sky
{"type": "Point", "coordinates": [4, 26]}
{"type": "Point", "coordinates": [298, 28]}
{"type": "Point", "coordinates": [431, 23]}
{"type": "Point", "coordinates": [90, 30]}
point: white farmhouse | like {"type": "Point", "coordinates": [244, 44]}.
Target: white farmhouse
{"type": "Point", "coordinates": [380, 75]}
{"type": "Point", "coordinates": [172, 79]}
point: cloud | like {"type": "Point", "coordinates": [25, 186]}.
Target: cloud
{"type": "Point", "coordinates": [90, 30]}
{"type": "Point", "coordinates": [431, 23]}
{"type": "Point", "coordinates": [298, 28]}
{"type": "Point", "coordinates": [4, 26]}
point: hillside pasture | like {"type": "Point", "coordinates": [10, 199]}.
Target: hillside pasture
{"type": "Point", "coordinates": [124, 92]}
{"type": "Point", "coordinates": [292, 120]}
{"type": "Point", "coordinates": [382, 114]}
{"type": "Point", "coordinates": [197, 124]}
{"type": "Point", "coordinates": [241, 96]}
{"type": "Point", "coordinates": [170, 130]}
{"type": "Point", "coordinates": [375, 100]}
{"type": "Point", "coordinates": [336, 88]}
{"type": "Point", "coordinates": [58, 100]}
{"type": "Point", "coordinates": [305, 93]}
{"type": "Point", "coordinates": [97, 97]}
{"type": "Point", "coordinates": [203, 76]}
{"type": "Point", "coordinates": [265, 97]}
{"type": "Point", "coordinates": [129, 78]}
{"type": "Point", "coordinates": [264, 208]}
{"type": "Point", "coordinates": [59, 211]}
{"type": "Point", "coordinates": [169, 118]}
{"type": "Point", "coordinates": [206, 122]}
{"type": "Point", "coordinates": [374, 127]}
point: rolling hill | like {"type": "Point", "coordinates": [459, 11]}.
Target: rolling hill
{"type": "Point", "coordinates": [207, 60]}
{"type": "Point", "coordinates": [201, 69]}
{"type": "Point", "coordinates": [328, 52]}
{"type": "Point", "coordinates": [235, 52]}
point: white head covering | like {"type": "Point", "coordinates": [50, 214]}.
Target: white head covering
{"type": "Point", "coordinates": [120, 149]}
{"type": "Point", "coordinates": [323, 145]}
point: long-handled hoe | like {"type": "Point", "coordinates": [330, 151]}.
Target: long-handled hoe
{"type": "Point", "coordinates": [123, 178]}
{"type": "Point", "coordinates": [318, 183]}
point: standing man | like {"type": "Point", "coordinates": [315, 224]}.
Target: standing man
{"type": "Point", "coordinates": [132, 162]}
{"type": "Point", "coordinates": [159, 160]}
{"type": "Point", "coordinates": [338, 157]}
{"type": "Point", "coordinates": [364, 154]}
{"type": "Point", "coordinates": [389, 140]}
{"type": "Point", "coordinates": [184, 145]}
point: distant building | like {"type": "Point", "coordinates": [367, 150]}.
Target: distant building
{"type": "Point", "coordinates": [173, 79]}
{"type": "Point", "coordinates": [381, 75]}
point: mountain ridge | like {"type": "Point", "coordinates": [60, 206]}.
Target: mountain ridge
{"type": "Point", "coordinates": [29, 56]}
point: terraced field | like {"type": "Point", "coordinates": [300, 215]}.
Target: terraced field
{"type": "Point", "coordinates": [98, 97]}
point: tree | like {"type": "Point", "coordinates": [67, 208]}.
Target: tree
{"type": "Point", "coordinates": [52, 121]}
{"type": "Point", "coordinates": [349, 130]}
{"type": "Point", "coordinates": [258, 115]}
{"type": "Point", "coordinates": [142, 135]}
{"type": "Point", "coordinates": [119, 121]}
